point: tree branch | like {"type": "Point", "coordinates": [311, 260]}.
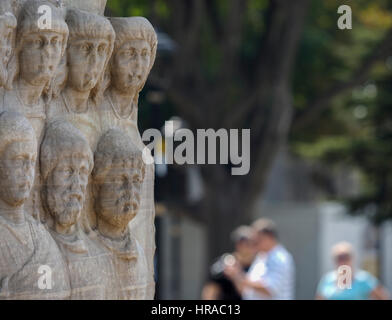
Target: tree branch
{"type": "Point", "coordinates": [322, 102]}
{"type": "Point", "coordinates": [285, 23]}
{"type": "Point", "coordinates": [272, 120]}
{"type": "Point", "coordinates": [177, 19]}
{"type": "Point", "coordinates": [231, 41]}
{"type": "Point", "coordinates": [196, 8]}
{"type": "Point", "coordinates": [213, 15]}
{"type": "Point", "coordinates": [185, 71]}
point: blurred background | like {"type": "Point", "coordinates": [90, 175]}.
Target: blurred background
{"type": "Point", "coordinates": [318, 102]}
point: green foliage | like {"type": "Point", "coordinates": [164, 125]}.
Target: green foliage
{"type": "Point", "coordinates": [357, 128]}
{"type": "Point", "coordinates": [127, 8]}
{"type": "Point", "coordinates": [364, 143]}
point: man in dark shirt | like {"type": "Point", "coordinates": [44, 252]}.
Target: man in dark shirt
{"type": "Point", "coordinates": [219, 287]}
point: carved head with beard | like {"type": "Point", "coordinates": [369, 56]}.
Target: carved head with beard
{"type": "Point", "coordinates": [118, 175]}
{"type": "Point", "coordinates": [66, 163]}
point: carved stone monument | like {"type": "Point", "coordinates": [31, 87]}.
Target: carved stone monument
{"type": "Point", "coordinates": [76, 199]}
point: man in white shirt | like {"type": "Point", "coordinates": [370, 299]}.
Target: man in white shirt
{"type": "Point", "coordinates": [272, 273]}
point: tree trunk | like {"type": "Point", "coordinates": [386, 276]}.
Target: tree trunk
{"type": "Point", "coordinates": [226, 206]}
{"type": "Point", "coordinates": [222, 219]}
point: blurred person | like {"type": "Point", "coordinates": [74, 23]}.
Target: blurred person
{"type": "Point", "coordinates": [353, 284]}
{"type": "Point", "coordinates": [219, 287]}
{"type": "Point", "coordinates": [271, 275]}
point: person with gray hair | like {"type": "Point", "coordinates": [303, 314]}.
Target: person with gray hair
{"type": "Point", "coordinates": [25, 245]}
{"type": "Point", "coordinates": [272, 274]}
{"type": "Point", "coordinates": [66, 163]}
{"type": "Point", "coordinates": [118, 174]}
{"type": "Point", "coordinates": [348, 282]}
{"type": "Point", "coordinates": [80, 78]}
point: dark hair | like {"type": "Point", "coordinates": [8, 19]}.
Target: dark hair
{"type": "Point", "coordinates": [266, 226]}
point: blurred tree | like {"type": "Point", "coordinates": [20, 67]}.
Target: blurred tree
{"type": "Point", "coordinates": [252, 64]}
{"type": "Point", "coordinates": [364, 142]}
{"type": "Point", "coordinates": [357, 130]}
{"type": "Point", "coordinates": [372, 152]}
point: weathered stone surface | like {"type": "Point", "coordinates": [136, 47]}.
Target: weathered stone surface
{"type": "Point", "coordinates": [35, 60]}
{"type": "Point", "coordinates": [63, 90]}
{"type": "Point", "coordinates": [133, 57]}
{"type": "Point", "coordinates": [7, 35]}
{"type": "Point", "coordinates": [66, 163]}
{"type": "Point", "coordinates": [25, 244]}
{"type": "Point", "coordinates": [94, 6]}
{"type": "Point", "coordinates": [118, 177]}
{"type": "Point", "coordinates": [77, 97]}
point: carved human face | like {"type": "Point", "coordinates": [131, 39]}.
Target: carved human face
{"type": "Point", "coordinates": [6, 36]}
{"type": "Point", "coordinates": [119, 195]}
{"type": "Point", "coordinates": [39, 57]}
{"type": "Point", "coordinates": [131, 63]}
{"type": "Point", "coordinates": [17, 170]}
{"type": "Point", "coordinates": [86, 62]}
{"type": "Point", "coordinates": [66, 188]}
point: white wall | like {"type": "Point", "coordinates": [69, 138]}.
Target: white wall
{"type": "Point", "coordinates": [387, 256]}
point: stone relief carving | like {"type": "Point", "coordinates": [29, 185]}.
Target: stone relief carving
{"type": "Point", "coordinates": [32, 68]}
{"type": "Point", "coordinates": [90, 45]}
{"type": "Point", "coordinates": [25, 244]}
{"type": "Point", "coordinates": [133, 57]}
{"type": "Point", "coordinates": [66, 163]}
{"type": "Point", "coordinates": [132, 60]}
{"type": "Point", "coordinates": [118, 175]}
{"type": "Point", "coordinates": [7, 37]}
{"type": "Point", "coordinates": [63, 89]}
{"type": "Point", "coordinates": [36, 57]}
{"type": "Point", "coordinates": [94, 6]}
